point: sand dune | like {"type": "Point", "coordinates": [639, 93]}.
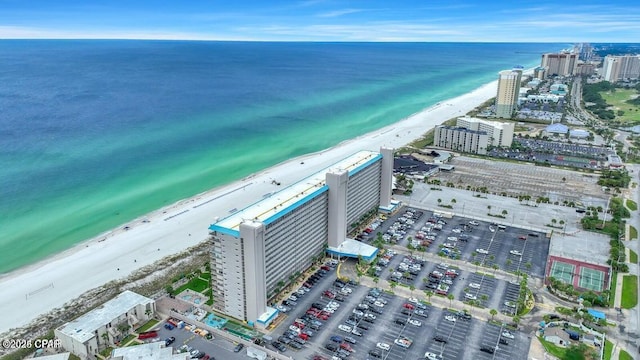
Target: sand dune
{"type": "Point", "coordinates": [37, 289]}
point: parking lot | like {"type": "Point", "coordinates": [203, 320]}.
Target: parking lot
{"type": "Point", "coordinates": [364, 323]}
{"type": "Point", "coordinates": [219, 349]}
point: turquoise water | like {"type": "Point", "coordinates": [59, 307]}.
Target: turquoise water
{"type": "Point", "coordinates": [96, 133]}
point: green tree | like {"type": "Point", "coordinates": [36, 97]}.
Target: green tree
{"type": "Point", "coordinates": [375, 280]}
{"type": "Point", "coordinates": [450, 297]}
{"type": "Point", "coordinates": [493, 313]}
{"type": "Point", "coordinates": [411, 288]}
{"type": "Point", "coordinates": [504, 212]}
{"type": "Point", "coordinates": [393, 285]}
{"type": "Point", "coordinates": [428, 294]}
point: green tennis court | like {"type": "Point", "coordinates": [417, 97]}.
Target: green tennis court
{"type": "Point", "coordinates": [563, 271]}
{"type": "Point", "coordinates": [591, 279]}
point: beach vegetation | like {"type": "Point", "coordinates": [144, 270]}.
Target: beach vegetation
{"type": "Point", "coordinates": [631, 205]}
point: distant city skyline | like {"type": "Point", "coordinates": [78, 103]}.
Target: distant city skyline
{"type": "Point", "coordinates": [324, 20]}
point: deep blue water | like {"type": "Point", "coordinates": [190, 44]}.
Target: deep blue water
{"type": "Point", "coordinates": [96, 133]}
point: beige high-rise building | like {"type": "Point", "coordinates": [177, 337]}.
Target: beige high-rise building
{"type": "Point", "coordinates": [562, 64]}
{"type": "Point", "coordinates": [616, 68]}
{"type": "Point", "coordinates": [500, 133]}
{"type": "Point", "coordinates": [507, 97]}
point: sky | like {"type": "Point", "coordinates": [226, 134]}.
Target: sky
{"type": "Point", "coordinates": [325, 20]}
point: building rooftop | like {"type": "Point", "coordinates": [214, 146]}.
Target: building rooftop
{"type": "Point", "coordinates": [150, 351]}
{"type": "Point", "coordinates": [61, 356]}
{"type": "Point", "coordinates": [275, 205]}
{"type": "Point", "coordinates": [463, 129]}
{"type": "Point", "coordinates": [82, 328]}
{"type": "Point", "coordinates": [557, 128]}
{"type": "Point", "coordinates": [354, 248]}
{"type": "Point", "coordinates": [495, 124]}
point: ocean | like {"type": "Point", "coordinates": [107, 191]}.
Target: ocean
{"type": "Point", "coordinates": [96, 133]}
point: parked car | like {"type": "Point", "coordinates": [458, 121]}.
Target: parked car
{"type": "Point", "coordinates": [238, 348]}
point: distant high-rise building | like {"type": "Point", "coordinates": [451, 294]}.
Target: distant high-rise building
{"type": "Point", "coordinates": [586, 52]}
{"type": "Point", "coordinates": [508, 88]}
{"type": "Point", "coordinates": [616, 68]}
{"type": "Point", "coordinates": [562, 64]}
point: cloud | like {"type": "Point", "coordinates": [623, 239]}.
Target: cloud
{"type": "Point", "coordinates": [341, 12]}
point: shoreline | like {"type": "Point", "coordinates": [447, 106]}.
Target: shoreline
{"type": "Point", "coordinates": [50, 283]}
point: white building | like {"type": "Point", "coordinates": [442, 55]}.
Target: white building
{"type": "Point", "coordinates": [461, 139]}
{"type": "Point", "coordinates": [617, 68]}
{"type": "Point", "coordinates": [151, 351]}
{"type": "Point", "coordinates": [260, 248]}
{"type": "Point", "coordinates": [507, 96]}
{"type": "Point", "coordinates": [500, 133]}
{"type": "Point", "coordinates": [102, 327]}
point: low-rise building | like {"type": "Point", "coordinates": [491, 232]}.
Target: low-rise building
{"type": "Point", "coordinates": [151, 351]}
{"type": "Point", "coordinates": [557, 336]}
{"type": "Point", "coordinates": [105, 325]}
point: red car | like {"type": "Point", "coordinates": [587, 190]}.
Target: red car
{"type": "Point", "coordinates": [329, 294]}
{"type": "Point", "coordinates": [522, 237]}
{"type": "Point", "coordinates": [346, 346]}
{"type": "Point", "coordinates": [299, 325]}
{"type": "Point", "coordinates": [322, 317]}
{"type": "Point", "coordinates": [325, 267]}
{"type": "Point", "coordinates": [313, 312]}
{"type": "Point", "coordinates": [148, 335]}
{"type": "Point", "coordinates": [409, 306]}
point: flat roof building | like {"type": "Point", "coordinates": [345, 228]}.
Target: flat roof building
{"type": "Point", "coordinates": [500, 133]}
{"type": "Point", "coordinates": [617, 68]}
{"type": "Point", "coordinates": [85, 336]}
{"type": "Point", "coordinates": [461, 139]}
{"type": "Point", "coordinates": [507, 96]}
{"type": "Point", "coordinates": [257, 250]}
{"type": "Point", "coordinates": [151, 351]}
{"type": "Point", "coordinates": [560, 64]}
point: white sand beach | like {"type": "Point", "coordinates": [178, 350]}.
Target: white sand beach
{"type": "Point", "coordinates": [39, 288]}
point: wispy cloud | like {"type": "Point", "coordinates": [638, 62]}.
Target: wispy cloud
{"type": "Point", "coordinates": [341, 12]}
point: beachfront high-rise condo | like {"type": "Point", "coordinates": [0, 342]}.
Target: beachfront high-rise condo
{"type": "Point", "coordinates": [560, 64]}
{"type": "Point", "coordinates": [500, 133]}
{"type": "Point", "coordinates": [258, 250]}
{"type": "Point", "coordinates": [508, 90]}
{"type": "Point", "coordinates": [616, 68]}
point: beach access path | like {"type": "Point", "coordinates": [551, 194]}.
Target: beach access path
{"type": "Point", "coordinates": [37, 289]}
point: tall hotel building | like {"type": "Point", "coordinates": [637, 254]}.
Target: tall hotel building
{"type": "Point", "coordinates": [258, 249]}
{"type": "Point", "coordinates": [562, 64]}
{"type": "Point", "coordinates": [617, 68]}
{"type": "Point", "coordinates": [508, 90]}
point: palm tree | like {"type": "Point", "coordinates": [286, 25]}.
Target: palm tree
{"type": "Point", "coordinates": [495, 268]}
{"type": "Point", "coordinates": [453, 201]}
{"type": "Point", "coordinates": [489, 208]}
{"type": "Point", "coordinates": [375, 280]}
{"type": "Point", "coordinates": [412, 287]}
{"type": "Point", "coordinates": [450, 297]}
{"type": "Point", "coordinates": [528, 266]}
{"type": "Point", "coordinates": [553, 221]}
{"type": "Point", "coordinates": [428, 294]}
{"type": "Point", "coordinates": [504, 212]}
{"type": "Point", "coordinates": [493, 313]}
{"type": "Point", "coordinates": [393, 285]}
{"type": "Point", "coordinates": [439, 201]}
{"type": "Point", "coordinates": [484, 298]}
{"type": "Point", "coordinates": [508, 262]}
{"type": "Point", "coordinates": [105, 337]}
{"type": "Point", "coordinates": [516, 320]}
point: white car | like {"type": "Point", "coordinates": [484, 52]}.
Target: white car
{"type": "Point", "coordinates": [431, 356]}
{"type": "Point", "coordinates": [456, 231]}
{"type": "Point", "coordinates": [515, 252]}
{"type": "Point", "coordinates": [346, 290]}
{"type": "Point", "coordinates": [510, 304]}
{"type": "Point", "coordinates": [482, 251]}
{"type": "Point", "coordinates": [474, 286]}
{"type": "Point", "coordinates": [404, 342]}
{"type": "Point", "coordinates": [508, 335]}
{"type": "Point", "coordinates": [378, 303]}
{"type": "Point", "coordinates": [450, 318]}
{"type": "Point", "coordinates": [414, 322]}
{"type": "Point", "coordinates": [413, 300]}
{"type": "Point", "coordinates": [470, 296]}
{"type": "Point", "coordinates": [474, 223]}
{"type": "Point", "coordinates": [345, 328]}
{"type": "Point", "coordinates": [452, 238]}
{"type": "Point", "coordinates": [294, 329]}
{"type": "Point", "coordinates": [383, 346]}
{"type": "Point", "coordinates": [282, 308]}
{"type": "Point", "coordinates": [492, 229]}
{"type": "Point", "coordinates": [357, 312]}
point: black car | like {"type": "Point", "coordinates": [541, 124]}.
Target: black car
{"type": "Point", "coordinates": [487, 349]}
{"type": "Point", "coordinates": [168, 341]}
{"type": "Point", "coordinates": [284, 339]}
{"type": "Point", "coordinates": [375, 309]}
{"type": "Point", "coordinates": [375, 353]}
{"type": "Point", "coordinates": [399, 321]}
{"type": "Point", "coordinates": [295, 345]}
{"type": "Point", "coordinates": [504, 341]}
{"type": "Point", "coordinates": [363, 326]}
{"type": "Point", "coordinates": [440, 338]}
{"type": "Point", "coordinates": [406, 311]}
{"type": "Point", "coordinates": [331, 347]}
{"type": "Point", "coordinates": [238, 348]}
{"type": "Point", "coordinates": [369, 320]}
{"type": "Point", "coordinates": [533, 235]}
{"type": "Point", "coordinates": [339, 298]}
{"type": "Point", "coordinates": [464, 315]}
{"type": "Point", "coordinates": [280, 346]}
